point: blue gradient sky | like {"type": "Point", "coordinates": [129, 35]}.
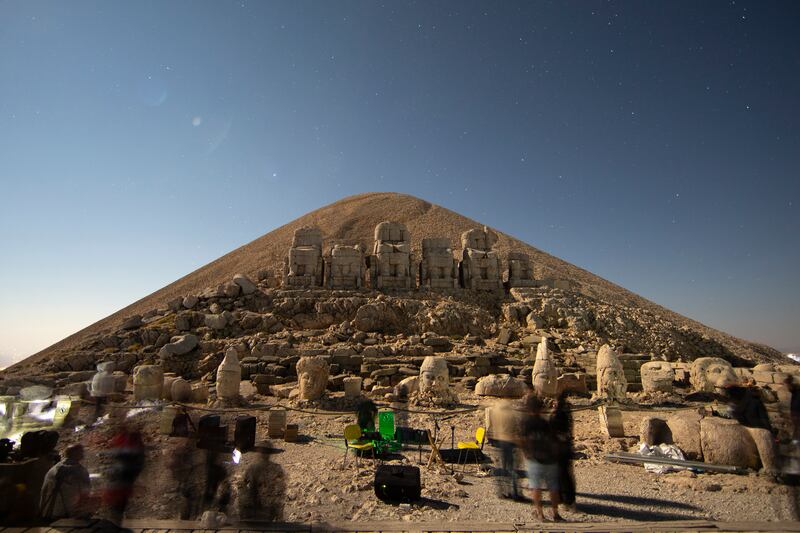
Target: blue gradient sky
{"type": "Point", "coordinates": [655, 144]}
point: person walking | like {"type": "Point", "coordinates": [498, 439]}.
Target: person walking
{"type": "Point", "coordinates": [538, 442]}
{"type": "Point", "coordinates": [563, 428]}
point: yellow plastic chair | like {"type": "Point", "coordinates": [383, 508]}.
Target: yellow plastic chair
{"type": "Point", "coordinates": [464, 448]}
{"type": "Point", "coordinates": [352, 435]}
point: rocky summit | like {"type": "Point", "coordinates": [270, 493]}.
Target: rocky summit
{"type": "Point", "coordinates": [377, 282]}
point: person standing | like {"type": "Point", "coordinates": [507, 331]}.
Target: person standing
{"type": "Point", "coordinates": [66, 486]}
{"type": "Point", "coordinates": [539, 445]}
{"type": "Point", "coordinates": [502, 426]}
{"type": "Point", "coordinates": [127, 452]}
{"type": "Point", "coordinates": [562, 426]}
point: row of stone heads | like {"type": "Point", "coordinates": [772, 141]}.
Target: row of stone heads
{"type": "Point", "coordinates": [392, 265]}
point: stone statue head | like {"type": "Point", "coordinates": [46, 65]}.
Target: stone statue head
{"type": "Point", "coordinates": [611, 381]}
{"type": "Point", "coordinates": [312, 377]}
{"type": "Point", "coordinates": [433, 374]}
{"type": "Point", "coordinates": [657, 376]}
{"type": "Point", "coordinates": [479, 239]}
{"type": "Point", "coordinates": [710, 373]}
{"type": "Point", "coordinates": [545, 373]}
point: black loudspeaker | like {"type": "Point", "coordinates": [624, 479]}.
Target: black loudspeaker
{"type": "Point", "coordinates": [411, 435]}
{"type": "Point", "coordinates": [397, 483]}
{"type": "Point", "coordinates": [244, 435]}
{"type": "Point", "coordinates": [210, 435]}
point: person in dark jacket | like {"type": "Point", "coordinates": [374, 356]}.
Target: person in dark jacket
{"type": "Point", "coordinates": [540, 447]}
{"type": "Point", "coordinates": [562, 425]}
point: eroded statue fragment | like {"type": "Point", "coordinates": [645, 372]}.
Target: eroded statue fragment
{"type": "Point", "coordinates": [710, 373]}
{"type": "Point", "coordinates": [312, 377]}
{"type": "Point", "coordinates": [391, 261]}
{"type": "Point", "coordinates": [480, 265]}
{"type": "Point", "coordinates": [657, 376]}
{"type": "Point", "coordinates": [438, 268]}
{"type": "Point", "coordinates": [345, 267]}
{"type": "Point", "coordinates": [304, 266]}
{"type": "Point", "coordinates": [545, 373]}
{"type": "Point", "coordinates": [611, 382]}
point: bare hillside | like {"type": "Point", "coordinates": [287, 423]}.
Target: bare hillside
{"type": "Point", "coordinates": [354, 219]}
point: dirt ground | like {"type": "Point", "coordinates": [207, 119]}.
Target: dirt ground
{"type": "Point", "coordinates": [306, 478]}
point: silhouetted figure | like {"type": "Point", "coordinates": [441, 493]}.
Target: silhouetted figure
{"type": "Point", "coordinates": [184, 475]}
{"type": "Point", "coordinates": [794, 406]}
{"type": "Point", "coordinates": [365, 415]}
{"type": "Point", "coordinates": [747, 408]}
{"type": "Point", "coordinates": [216, 495]}
{"type": "Point", "coordinates": [503, 430]}
{"type": "Point", "coordinates": [562, 425]}
{"type": "Point", "coordinates": [262, 491]}
{"type": "Point", "coordinates": [65, 492]}
{"type": "Point", "coordinates": [127, 452]}
{"type": "Point", "coordinates": [540, 446]}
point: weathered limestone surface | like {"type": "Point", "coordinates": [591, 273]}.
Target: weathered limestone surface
{"type": "Point", "coordinates": [391, 261]}
{"type": "Point", "coordinates": [726, 442]}
{"type": "Point", "coordinates": [480, 265]}
{"type": "Point", "coordinates": [657, 376]}
{"type": "Point", "coordinates": [501, 386]}
{"type": "Point", "coordinates": [710, 373]}
{"type": "Point", "coordinates": [104, 382]}
{"type": "Point", "coordinates": [685, 429]}
{"type": "Point", "coordinates": [345, 268]}
{"type": "Point", "coordinates": [438, 268]}
{"type": "Point", "coordinates": [611, 382]}
{"type": "Point", "coordinates": [304, 266]}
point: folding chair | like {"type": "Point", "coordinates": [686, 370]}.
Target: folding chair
{"type": "Point", "coordinates": [476, 447]}
{"type": "Point", "coordinates": [352, 435]}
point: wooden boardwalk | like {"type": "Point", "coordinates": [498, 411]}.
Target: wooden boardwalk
{"type": "Point", "coordinates": [170, 526]}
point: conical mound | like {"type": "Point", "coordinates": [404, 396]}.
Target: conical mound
{"type": "Point", "coordinates": [353, 219]}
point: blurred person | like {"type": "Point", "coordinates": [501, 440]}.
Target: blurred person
{"type": "Point", "coordinates": [746, 407]}
{"type": "Point", "coordinates": [127, 453]}
{"type": "Point", "coordinates": [65, 492]}
{"type": "Point", "coordinates": [182, 468]}
{"type": "Point", "coordinates": [563, 428]}
{"type": "Point", "coordinates": [794, 405]}
{"type": "Point", "coordinates": [262, 490]}
{"type": "Point", "coordinates": [502, 427]}
{"type": "Point", "coordinates": [539, 444]}
{"type": "Point", "coordinates": [216, 495]}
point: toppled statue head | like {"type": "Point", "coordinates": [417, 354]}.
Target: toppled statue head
{"type": "Point", "coordinates": [611, 381]}
{"type": "Point", "coordinates": [433, 374]}
{"type": "Point", "coordinates": [707, 374]}
{"type": "Point", "coordinates": [312, 377]}
{"type": "Point", "coordinates": [657, 376]}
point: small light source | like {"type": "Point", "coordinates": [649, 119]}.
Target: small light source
{"type": "Point", "coordinates": [237, 456]}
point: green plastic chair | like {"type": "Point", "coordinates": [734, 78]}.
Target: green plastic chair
{"type": "Point", "coordinates": [386, 429]}
{"type": "Point", "coordinates": [386, 424]}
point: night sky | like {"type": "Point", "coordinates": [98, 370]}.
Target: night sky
{"type": "Point", "coordinates": [652, 143]}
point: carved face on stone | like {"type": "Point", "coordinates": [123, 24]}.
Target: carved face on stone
{"type": "Point", "coordinates": [657, 376]}
{"type": "Point", "coordinates": [611, 381]}
{"type": "Point", "coordinates": [710, 373]}
{"type": "Point", "coordinates": [312, 377]}
{"type": "Point", "coordinates": [433, 374]}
